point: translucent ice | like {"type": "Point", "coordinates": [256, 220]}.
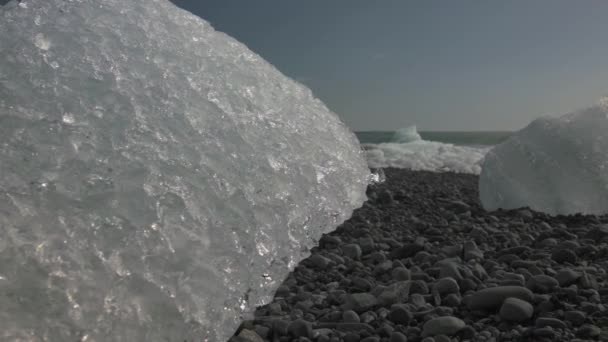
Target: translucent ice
{"type": "Point", "coordinates": [555, 165]}
{"type": "Point", "coordinates": [408, 150]}
{"type": "Point", "coordinates": [157, 179]}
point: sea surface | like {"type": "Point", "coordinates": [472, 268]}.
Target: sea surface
{"type": "Point", "coordinates": [461, 152]}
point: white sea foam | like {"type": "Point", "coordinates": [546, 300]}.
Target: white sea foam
{"type": "Point", "coordinates": [409, 151]}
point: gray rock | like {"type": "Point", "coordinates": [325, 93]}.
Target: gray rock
{"type": "Point", "coordinates": [447, 325]}
{"type": "Point", "coordinates": [442, 338]}
{"type": "Point", "coordinates": [321, 332]}
{"type": "Point", "coordinates": [542, 283]}
{"type": "Point", "coordinates": [547, 332]}
{"type": "Point", "coordinates": [395, 293]}
{"type": "Point", "coordinates": [575, 317]}
{"type": "Point", "coordinates": [550, 322]}
{"type": "Point", "coordinates": [492, 298]}
{"type": "Point", "coordinates": [401, 273]}
{"type": "Point", "coordinates": [349, 316]}
{"type": "Point", "coordinates": [446, 285]}
{"type": "Point", "coordinates": [367, 245]}
{"type": "Point", "coordinates": [383, 267]}
{"type": "Point", "coordinates": [398, 337]}
{"type": "Point", "coordinates": [588, 331]}
{"type": "Point", "coordinates": [352, 251]}
{"type": "Point", "coordinates": [547, 243]}
{"type": "Point", "coordinates": [516, 310]}
{"type": "Point", "coordinates": [320, 262]}
{"type": "Point", "coordinates": [564, 255]}
{"type": "Point", "coordinates": [567, 276]}
{"type": "Point", "coordinates": [250, 336]}
{"type": "Point", "coordinates": [419, 286]}
{"type": "Point", "coordinates": [400, 314]}
{"type": "Point", "coordinates": [359, 302]}
{"type": "Point", "coordinates": [417, 300]}
{"type": "Point", "coordinates": [452, 300]}
{"type": "Point", "coordinates": [371, 339]}
{"type": "Point", "coordinates": [280, 326]}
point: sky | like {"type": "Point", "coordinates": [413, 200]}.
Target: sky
{"type": "Point", "coordinates": [442, 65]}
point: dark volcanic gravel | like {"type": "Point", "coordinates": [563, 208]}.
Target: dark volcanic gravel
{"type": "Point", "coordinates": [422, 261]}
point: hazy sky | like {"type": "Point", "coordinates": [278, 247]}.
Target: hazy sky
{"type": "Point", "coordinates": [443, 65]}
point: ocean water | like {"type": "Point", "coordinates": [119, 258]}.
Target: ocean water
{"type": "Point", "coordinates": [461, 152]}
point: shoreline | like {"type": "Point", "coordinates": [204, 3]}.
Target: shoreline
{"type": "Point", "coordinates": [422, 261]}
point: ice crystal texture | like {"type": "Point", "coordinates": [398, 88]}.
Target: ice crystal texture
{"type": "Point", "coordinates": [158, 180]}
{"type": "Point", "coordinates": [555, 165]}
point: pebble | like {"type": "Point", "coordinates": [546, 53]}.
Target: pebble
{"type": "Point", "coordinates": [400, 314]}
{"type": "Point", "coordinates": [471, 251]}
{"type": "Point", "coordinates": [492, 298]}
{"type": "Point", "coordinates": [588, 331]}
{"type": "Point", "coordinates": [360, 302]}
{"type": "Point", "coordinates": [320, 262]}
{"type": "Point", "coordinates": [401, 273]}
{"type": "Point", "coordinates": [281, 327]}
{"type": "Point", "coordinates": [398, 337]}
{"type": "Point", "coordinates": [453, 300]}
{"type": "Point", "coordinates": [371, 339]}
{"type": "Point", "coordinates": [352, 251]}
{"type": "Point", "coordinates": [550, 322]}
{"type": "Point", "coordinates": [250, 336]}
{"type": "Point", "coordinates": [349, 316]}
{"type": "Point", "coordinates": [542, 283]}
{"type": "Point", "coordinates": [544, 332]}
{"type": "Point", "coordinates": [442, 338]}
{"type": "Point", "coordinates": [300, 328]}
{"type": "Point", "coordinates": [564, 256]}
{"type": "Point", "coordinates": [575, 317]}
{"type": "Point", "coordinates": [446, 285]}
{"type": "Point", "coordinates": [516, 310]}
{"type": "Point", "coordinates": [447, 325]}
{"type": "Point", "coordinates": [352, 337]}
{"type": "Point", "coordinates": [567, 276]}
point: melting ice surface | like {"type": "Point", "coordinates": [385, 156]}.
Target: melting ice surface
{"type": "Point", "coordinates": [409, 151]}
{"type": "Point", "coordinates": [157, 179]}
{"type": "Point", "coordinates": [556, 165]}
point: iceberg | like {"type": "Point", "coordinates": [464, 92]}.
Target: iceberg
{"type": "Point", "coordinates": [158, 180]}
{"type": "Point", "coordinates": [406, 135]}
{"type": "Point", "coordinates": [557, 165]}
{"type": "Point", "coordinates": [408, 150]}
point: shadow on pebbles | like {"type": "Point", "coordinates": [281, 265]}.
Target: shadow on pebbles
{"type": "Point", "coordinates": [422, 261]}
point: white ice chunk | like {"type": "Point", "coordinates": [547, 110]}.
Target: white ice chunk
{"type": "Point", "coordinates": [409, 151]}
{"type": "Point", "coordinates": [158, 180]}
{"type": "Point", "coordinates": [555, 165]}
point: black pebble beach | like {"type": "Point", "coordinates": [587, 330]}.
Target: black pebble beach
{"type": "Point", "coordinates": [422, 261]}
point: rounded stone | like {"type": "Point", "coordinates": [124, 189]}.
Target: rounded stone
{"type": "Point", "coordinates": [575, 317]}
{"type": "Point", "coordinates": [352, 251]}
{"type": "Point", "coordinates": [542, 283]}
{"type": "Point", "coordinates": [300, 328]}
{"type": "Point", "coordinates": [400, 314]}
{"type": "Point", "coordinates": [401, 273]}
{"type": "Point", "coordinates": [398, 337]}
{"type": "Point", "coordinates": [564, 255]}
{"type": "Point", "coordinates": [447, 325]}
{"type": "Point", "coordinates": [493, 297]}
{"type": "Point", "coordinates": [516, 310]}
{"type": "Point", "coordinates": [349, 316]}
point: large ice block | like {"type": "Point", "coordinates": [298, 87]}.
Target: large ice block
{"type": "Point", "coordinates": [555, 165]}
{"type": "Point", "coordinates": [157, 179]}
